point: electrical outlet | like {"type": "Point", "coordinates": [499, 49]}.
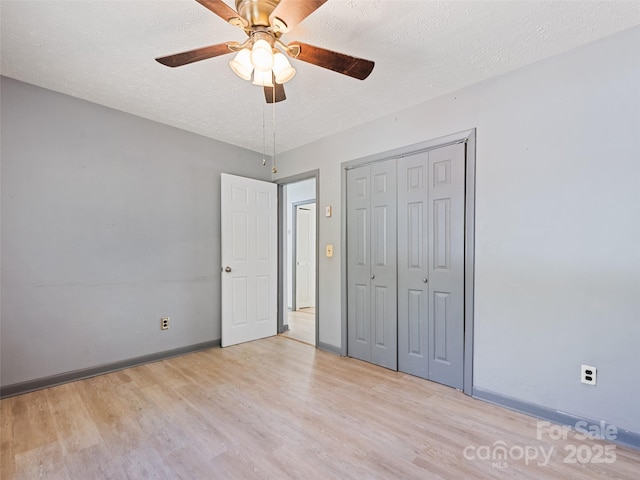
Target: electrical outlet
{"type": "Point", "coordinates": [588, 374]}
{"type": "Point", "coordinates": [164, 323]}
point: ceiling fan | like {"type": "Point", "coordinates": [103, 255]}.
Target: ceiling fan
{"type": "Point", "coordinates": [261, 56]}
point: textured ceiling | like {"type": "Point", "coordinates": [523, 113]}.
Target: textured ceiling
{"type": "Point", "coordinates": [103, 51]}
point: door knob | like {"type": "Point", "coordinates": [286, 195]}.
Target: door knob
{"type": "Point", "coordinates": [372, 277]}
{"type": "Point", "coordinates": [425, 280]}
{"type": "Point", "coordinates": [227, 269]}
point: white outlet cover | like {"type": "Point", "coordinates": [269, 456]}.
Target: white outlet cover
{"type": "Point", "coordinates": [588, 374]}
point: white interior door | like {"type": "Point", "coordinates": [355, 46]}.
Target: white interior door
{"type": "Point", "coordinates": [305, 256]}
{"type": "Point", "coordinates": [249, 259]}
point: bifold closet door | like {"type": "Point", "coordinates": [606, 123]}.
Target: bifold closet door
{"type": "Point", "coordinates": [431, 265]}
{"type": "Point", "coordinates": [371, 260]}
{"type": "Point", "coordinates": [359, 263]}
{"type": "Point", "coordinates": [413, 286]}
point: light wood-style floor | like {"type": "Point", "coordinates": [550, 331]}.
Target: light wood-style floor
{"type": "Point", "coordinates": [274, 409]}
{"type": "Point", "coordinates": [302, 325]}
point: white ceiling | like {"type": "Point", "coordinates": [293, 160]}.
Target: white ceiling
{"type": "Point", "coordinates": [103, 51]}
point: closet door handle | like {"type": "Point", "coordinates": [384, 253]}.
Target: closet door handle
{"type": "Point", "coordinates": [372, 277]}
{"type": "Point", "coordinates": [425, 280]}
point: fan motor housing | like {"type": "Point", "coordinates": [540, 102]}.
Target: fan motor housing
{"type": "Point", "coordinates": [256, 12]}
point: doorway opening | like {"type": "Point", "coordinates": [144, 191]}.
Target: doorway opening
{"type": "Point", "coordinates": [298, 310]}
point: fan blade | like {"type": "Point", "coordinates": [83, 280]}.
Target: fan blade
{"type": "Point", "coordinates": [225, 12]}
{"type": "Point", "coordinates": [338, 62]}
{"type": "Point", "coordinates": [274, 97]}
{"type": "Point", "coordinates": [289, 13]}
{"type": "Point", "coordinates": [184, 58]}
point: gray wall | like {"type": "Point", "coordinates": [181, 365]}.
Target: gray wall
{"type": "Point", "coordinates": [109, 222]}
{"type": "Point", "coordinates": [557, 223]}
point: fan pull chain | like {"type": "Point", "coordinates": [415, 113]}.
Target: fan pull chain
{"type": "Point", "coordinates": [273, 97]}
{"type": "Point", "coordinates": [264, 140]}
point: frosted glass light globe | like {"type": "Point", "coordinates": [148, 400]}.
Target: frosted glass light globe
{"type": "Point", "coordinates": [261, 55]}
{"type": "Point", "coordinates": [282, 69]}
{"type": "Point", "coordinates": [263, 78]}
{"type": "Point", "coordinates": [241, 64]}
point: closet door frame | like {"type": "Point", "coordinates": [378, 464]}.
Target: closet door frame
{"type": "Point", "coordinates": [467, 137]}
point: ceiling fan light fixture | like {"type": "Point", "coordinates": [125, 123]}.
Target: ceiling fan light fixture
{"type": "Point", "coordinates": [261, 55]}
{"type": "Point", "coordinates": [282, 69]}
{"type": "Point", "coordinates": [263, 78]}
{"type": "Point", "coordinates": [241, 64]}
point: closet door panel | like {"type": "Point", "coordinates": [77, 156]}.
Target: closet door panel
{"type": "Point", "coordinates": [358, 263]}
{"type": "Point", "coordinates": [446, 264]}
{"type": "Point", "coordinates": [384, 264]}
{"type": "Point", "coordinates": [413, 295]}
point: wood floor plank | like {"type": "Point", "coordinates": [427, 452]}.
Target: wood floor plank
{"type": "Point", "coordinates": [96, 462]}
{"type": "Point", "coordinates": [302, 326]}
{"type": "Point", "coordinates": [29, 411]}
{"type": "Point", "coordinates": [44, 461]}
{"type": "Point", "coordinates": [278, 409]}
{"type": "Point", "coordinates": [73, 424]}
{"type": "Point", "coordinates": [146, 462]}
{"type": "Point", "coordinates": [7, 438]}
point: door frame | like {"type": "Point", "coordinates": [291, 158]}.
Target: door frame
{"type": "Point", "coordinates": [294, 247]}
{"type": "Point", "coordinates": [282, 240]}
{"type": "Point", "coordinates": [468, 137]}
